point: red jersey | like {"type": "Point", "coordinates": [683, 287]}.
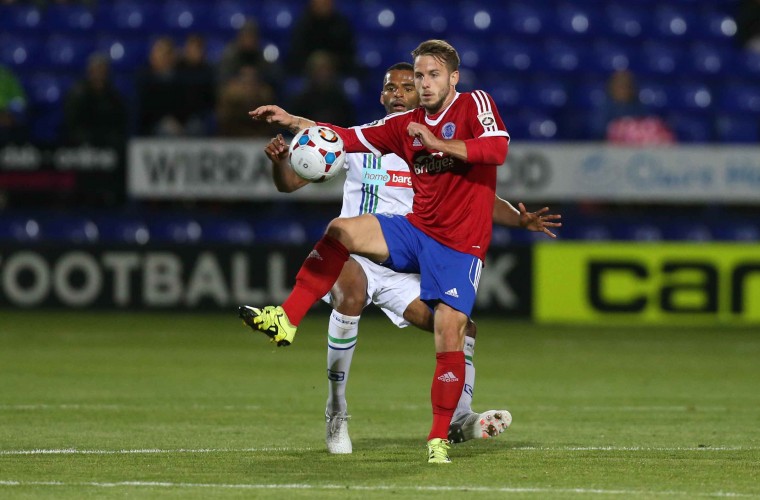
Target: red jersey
{"type": "Point", "coordinates": [453, 199]}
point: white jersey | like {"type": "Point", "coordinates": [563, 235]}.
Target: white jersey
{"type": "Point", "coordinates": [376, 185]}
{"type": "Point", "coordinates": [380, 185]}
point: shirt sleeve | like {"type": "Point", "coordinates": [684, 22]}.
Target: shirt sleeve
{"type": "Point", "coordinates": [484, 117]}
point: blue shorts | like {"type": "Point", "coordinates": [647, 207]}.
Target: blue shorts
{"type": "Point", "coordinates": [447, 275]}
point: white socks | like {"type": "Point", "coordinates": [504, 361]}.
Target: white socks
{"type": "Point", "coordinates": [341, 341]}
{"type": "Point", "coordinates": [464, 406]}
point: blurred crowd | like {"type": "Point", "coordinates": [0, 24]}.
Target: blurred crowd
{"type": "Point", "coordinates": [180, 92]}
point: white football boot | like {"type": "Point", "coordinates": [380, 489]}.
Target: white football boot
{"type": "Point", "coordinates": [484, 425]}
{"type": "Point", "coordinates": [336, 432]}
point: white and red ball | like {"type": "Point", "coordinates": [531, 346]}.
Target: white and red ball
{"type": "Point", "coordinates": [317, 154]}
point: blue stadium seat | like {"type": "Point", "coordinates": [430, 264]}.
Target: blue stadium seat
{"type": "Point", "coordinates": [226, 231]}
{"type": "Point", "coordinates": [78, 19]}
{"type": "Point", "coordinates": [374, 53]}
{"type": "Point", "coordinates": [381, 17]}
{"type": "Point", "coordinates": [578, 20]}
{"type": "Point", "coordinates": [507, 93]}
{"type": "Point", "coordinates": [123, 230]}
{"type": "Point", "coordinates": [659, 58]}
{"type": "Point", "coordinates": [280, 231]}
{"type": "Point", "coordinates": [19, 229]}
{"type": "Point", "coordinates": [565, 56]}
{"type": "Point", "coordinates": [711, 59]}
{"type": "Point", "coordinates": [276, 20]}
{"type": "Point", "coordinates": [230, 15]}
{"type": "Point", "coordinates": [692, 96]}
{"type": "Point", "coordinates": [187, 16]}
{"type": "Point", "coordinates": [589, 94]}
{"type": "Point", "coordinates": [675, 22]}
{"type": "Point", "coordinates": [47, 90]}
{"type": "Point", "coordinates": [68, 53]}
{"type": "Point", "coordinates": [517, 56]}
{"type": "Point", "coordinates": [472, 53]}
{"type": "Point", "coordinates": [692, 127]}
{"type": "Point", "coordinates": [717, 25]}
{"type": "Point", "coordinates": [737, 231]}
{"type": "Point", "coordinates": [626, 20]}
{"type": "Point", "coordinates": [748, 64]}
{"type": "Point", "coordinates": [20, 52]}
{"type": "Point", "coordinates": [655, 94]}
{"type": "Point", "coordinates": [738, 97]}
{"type": "Point", "coordinates": [479, 18]}
{"type": "Point", "coordinates": [127, 53]}
{"type": "Point", "coordinates": [641, 232]}
{"type": "Point", "coordinates": [688, 231]}
{"type": "Point", "coordinates": [738, 128]}
{"type": "Point", "coordinates": [70, 229]}
{"type": "Point", "coordinates": [170, 229]}
{"type": "Point", "coordinates": [610, 57]}
{"type": "Point", "coordinates": [528, 19]}
{"type": "Point", "coordinates": [133, 16]}
{"type": "Point", "coordinates": [432, 18]}
{"type": "Point", "coordinates": [532, 125]}
{"type": "Point", "coordinates": [21, 17]}
{"type": "Point", "coordinates": [547, 93]}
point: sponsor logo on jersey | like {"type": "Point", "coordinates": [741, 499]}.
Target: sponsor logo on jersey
{"type": "Point", "coordinates": [399, 179]}
{"type": "Point", "coordinates": [416, 143]}
{"type": "Point", "coordinates": [433, 164]}
{"type": "Point", "coordinates": [448, 130]}
{"type": "Point", "coordinates": [390, 178]}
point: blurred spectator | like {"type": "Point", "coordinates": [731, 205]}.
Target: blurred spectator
{"type": "Point", "coordinates": [160, 92]}
{"type": "Point", "coordinates": [748, 24]}
{"type": "Point", "coordinates": [198, 81]}
{"type": "Point", "coordinates": [322, 28]}
{"type": "Point", "coordinates": [323, 98]}
{"type": "Point", "coordinates": [246, 50]}
{"type": "Point", "coordinates": [94, 111]}
{"type": "Point", "coordinates": [244, 92]}
{"type": "Point", "coordinates": [13, 106]}
{"type": "Point", "coordinates": [623, 118]}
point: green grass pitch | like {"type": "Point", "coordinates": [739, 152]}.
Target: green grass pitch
{"type": "Point", "coordinates": [100, 405]}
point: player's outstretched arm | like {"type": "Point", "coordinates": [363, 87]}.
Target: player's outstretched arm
{"type": "Point", "coordinates": [275, 114]}
{"type": "Point", "coordinates": [505, 214]}
{"type": "Point", "coordinates": [285, 179]}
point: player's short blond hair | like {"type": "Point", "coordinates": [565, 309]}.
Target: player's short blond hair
{"type": "Point", "coordinates": [441, 50]}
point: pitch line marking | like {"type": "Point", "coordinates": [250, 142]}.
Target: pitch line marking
{"type": "Point", "coordinates": [343, 487]}
{"type": "Point", "coordinates": [155, 451]}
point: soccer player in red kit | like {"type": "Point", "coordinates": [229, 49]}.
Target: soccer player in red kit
{"type": "Point", "coordinates": [453, 142]}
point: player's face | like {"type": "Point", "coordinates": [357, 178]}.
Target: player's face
{"type": "Point", "coordinates": [398, 92]}
{"type": "Point", "coordinates": [435, 84]}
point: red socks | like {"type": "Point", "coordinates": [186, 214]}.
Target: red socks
{"type": "Point", "coordinates": [448, 383]}
{"type": "Point", "coordinates": [318, 273]}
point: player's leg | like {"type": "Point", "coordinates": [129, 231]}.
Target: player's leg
{"type": "Point", "coordinates": [348, 297]}
{"type": "Point", "coordinates": [467, 424]}
{"type": "Point", "coordinates": [317, 275]}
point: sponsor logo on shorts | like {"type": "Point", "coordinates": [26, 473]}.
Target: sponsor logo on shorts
{"type": "Point", "coordinates": [453, 293]}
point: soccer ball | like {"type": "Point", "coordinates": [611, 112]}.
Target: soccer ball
{"type": "Point", "coordinates": [316, 154]}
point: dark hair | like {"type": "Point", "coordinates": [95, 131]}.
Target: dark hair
{"type": "Point", "coordinates": [441, 50]}
{"type": "Point", "coordinates": [402, 66]}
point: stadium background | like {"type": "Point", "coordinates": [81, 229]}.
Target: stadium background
{"type": "Point", "coordinates": [193, 223]}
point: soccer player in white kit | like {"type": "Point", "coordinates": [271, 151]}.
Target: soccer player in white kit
{"type": "Point", "coordinates": [383, 185]}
